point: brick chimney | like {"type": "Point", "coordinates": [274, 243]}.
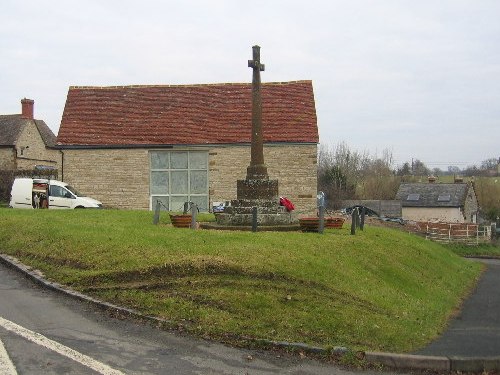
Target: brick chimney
{"type": "Point", "coordinates": [27, 108]}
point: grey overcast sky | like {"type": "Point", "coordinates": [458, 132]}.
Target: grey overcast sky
{"type": "Point", "coordinates": [419, 78]}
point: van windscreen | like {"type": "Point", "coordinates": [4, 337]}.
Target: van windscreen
{"type": "Point", "coordinates": [74, 191]}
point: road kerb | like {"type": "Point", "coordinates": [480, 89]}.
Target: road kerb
{"type": "Point", "coordinates": [464, 364]}
{"type": "Point", "coordinates": [408, 361]}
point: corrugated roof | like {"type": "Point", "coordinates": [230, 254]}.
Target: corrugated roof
{"type": "Point", "coordinates": [187, 114]}
{"type": "Point", "coordinates": [11, 127]}
{"type": "Point", "coordinates": [432, 195]}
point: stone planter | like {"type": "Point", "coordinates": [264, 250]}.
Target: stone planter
{"type": "Point", "coordinates": [181, 221]}
{"type": "Point", "coordinates": [311, 224]}
{"type": "Point", "coordinates": [334, 222]}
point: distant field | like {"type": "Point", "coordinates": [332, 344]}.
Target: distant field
{"type": "Point", "coordinates": [379, 290]}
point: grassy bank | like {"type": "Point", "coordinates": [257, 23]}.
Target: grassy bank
{"type": "Point", "coordinates": [379, 290]}
{"type": "Point", "coordinates": [483, 250]}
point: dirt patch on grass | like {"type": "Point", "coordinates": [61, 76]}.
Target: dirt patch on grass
{"type": "Point", "coordinates": [53, 261]}
{"type": "Point", "coordinates": [195, 282]}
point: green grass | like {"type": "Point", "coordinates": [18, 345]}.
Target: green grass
{"type": "Point", "coordinates": [483, 250]}
{"type": "Point", "coordinates": [379, 290]}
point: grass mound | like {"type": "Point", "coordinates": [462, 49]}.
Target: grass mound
{"type": "Point", "coordinates": [379, 290]}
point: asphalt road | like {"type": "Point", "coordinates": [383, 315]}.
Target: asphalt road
{"type": "Point", "coordinates": [44, 332]}
{"type": "Point", "coordinates": [475, 331]}
{"type": "Point", "coordinates": [80, 339]}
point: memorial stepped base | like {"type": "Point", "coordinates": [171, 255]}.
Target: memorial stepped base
{"type": "Point", "coordinates": [268, 213]}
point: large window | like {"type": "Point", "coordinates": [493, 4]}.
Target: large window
{"type": "Point", "coordinates": [178, 177]}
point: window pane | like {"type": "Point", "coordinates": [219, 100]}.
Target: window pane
{"type": "Point", "coordinates": [159, 160]}
{"type": "Point", "coordinates": [201, 201]}
{"type": "Point", "coordinates": [198, 160]}
{"type": "Point", "coordinates": [198, 182]}
{"type": "Point", "coordinates": [179, 183]}
{"type": "Point", "coordinates": [179, 160]}
{"type": "Point", "coordinates": [444, 197]}
{"type": "Point", "coordinates": [176, 175]}
{"type": "Point", "coordinates": [177, 202]}
{"type": "Point", "coordinates": [163, 201]}
{"type": "Point", "coordinates": [159, 182]}
{"type": "Point", "coordinates": [57, 191]}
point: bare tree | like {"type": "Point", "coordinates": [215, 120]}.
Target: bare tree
{"type": "Point", "coordinates": [346, 174]}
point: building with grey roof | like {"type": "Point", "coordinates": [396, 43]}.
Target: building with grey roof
{"type": "Point", "coordinates": [438, 202]}
{"type": "Point", "coordinates": [25, 142]}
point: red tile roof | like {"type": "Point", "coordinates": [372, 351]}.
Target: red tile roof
{"type": "Point", "coordinates": [186, 114]}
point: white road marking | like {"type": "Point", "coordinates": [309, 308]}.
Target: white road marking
{"type": "Point", "coordinates": [6, 365]}
{"type": "Point", "coordinates": [58, 348]}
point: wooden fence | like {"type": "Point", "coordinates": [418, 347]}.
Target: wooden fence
{"type": "Point", "coordinates": [464, 233]}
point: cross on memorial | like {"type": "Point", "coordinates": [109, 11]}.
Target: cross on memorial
{"type": "Point", "coordinates": [257, 200]}
{"type": "Point", "coordinates": [257, 186]}
{"type": "Point", "coordinates": [257, 169]}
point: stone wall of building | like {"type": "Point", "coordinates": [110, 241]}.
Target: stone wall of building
{"type": "Point", "coordinates": [31, 150]}
{"type": "Point", "coordinates": [441, 214]}
{"type": "Point", "coordinates": [7, 158]}
{"type": "Point", "coordinates": [120, 177]}
{"type": "Point", "coordinates": [294, 166]}
{"type": "Point", "coordinates": [471, 206]}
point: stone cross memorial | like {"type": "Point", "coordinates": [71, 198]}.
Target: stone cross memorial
{"type": "Point", "coordinates": [257, 184]}
{"type": "Point", "coordinates": [257, 195]}
{"type": "Point", "coordinates": [257, 169]}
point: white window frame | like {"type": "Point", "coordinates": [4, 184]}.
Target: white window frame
{"type": "Point", "coordinates": [169, 195]}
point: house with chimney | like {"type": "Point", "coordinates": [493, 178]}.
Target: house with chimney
{"type": "Point", "coordinates": [131, 146]}
{"type": "Point", "coordinates": [439, 202]}
{"type": "Point", "coordinates": [25, 142]}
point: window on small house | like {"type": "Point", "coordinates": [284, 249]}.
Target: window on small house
{"type": "Point", "coordinates": [178, 177]}
{"type": "Point", "coordinates": [444, 197]}
{"type": "Point", "coordinates": [413, 197]}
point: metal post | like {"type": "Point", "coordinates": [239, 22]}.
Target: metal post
{"type": "Point", "coordinates": [194, 212]}
{"type": "Point", "coordinates": [254, 219]}
{"type": "Point", "coordinates": [156, 217]}
{"type": "Point", "coordinates": [321, 219]}
{"type": "Point", "coordinates": [363, 212]}
{"type": "Point", "coordinates": [353, 221]}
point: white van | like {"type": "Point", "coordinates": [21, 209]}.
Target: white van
{"type": "Point", "coordinates": [43, 193]}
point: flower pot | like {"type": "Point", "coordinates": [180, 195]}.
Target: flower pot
{"type": "Point", "coordinates": [311, 224]}
{"type": "Point", "coordinates": [334, 222]}
{"type": "Point", "coordinates": [181, 221]}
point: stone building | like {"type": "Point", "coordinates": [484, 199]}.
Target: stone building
{"type": "Point", "coordinates": [129, 146]}
{"type": "Point", "coordinates": [25, 142]}
{"type": "Point", "coordinates": [439, 202]}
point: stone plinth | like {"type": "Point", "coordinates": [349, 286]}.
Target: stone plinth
{"type": "Point", "coordinates": [264, 189]}
{"type": "Point", "coordinates": [269, 213]}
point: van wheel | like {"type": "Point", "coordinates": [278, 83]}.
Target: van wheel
{"type": "Point", "coordinates": [79, 207]}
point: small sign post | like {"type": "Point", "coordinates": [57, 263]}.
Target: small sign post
{"type": "Point", "coordinates": [194, 212]}
{"type": "Point", "coordinates": [354, 219]}
{"type": "Point", "coordinates": [363, 213]}
{"type": "Point", "coordinates": [156, 217]}
{"type": "Point", "coordinates": [254, 219]}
